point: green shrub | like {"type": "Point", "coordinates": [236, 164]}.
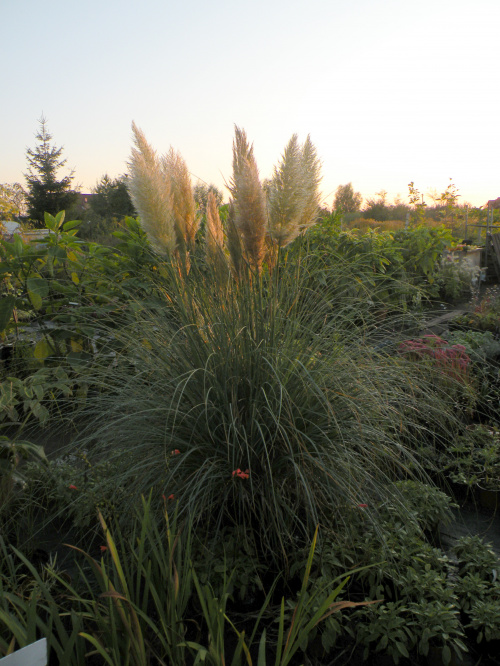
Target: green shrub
{"type": "Point", "coordinates": [485, 619]}
{"type": "Point", "coordinates": [385, 628]}
{"type": "Point", "coordinates": [476, 557]}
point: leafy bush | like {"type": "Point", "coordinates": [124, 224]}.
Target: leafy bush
{"type": "Point", "coordinates": [74, 487]}
{"type": "Point", "coordinates": [474, 458]}
{"type": "Point", "coordinates": [439, 626]}
{"type": "Point", "coordinates": [455, 280]}
{"type": "Point", "coordinates": [431, 505]}
{"type": "Point", "coordinates": [479, 345]}
{"type": "Point", "coordinates": [476, 557]}
{"type": "Point", "coordinates": [485, 315]}
{"type": "Point", "coordinates": [485, 619]}
{"type": "Point", "coordinates": [386, 628]}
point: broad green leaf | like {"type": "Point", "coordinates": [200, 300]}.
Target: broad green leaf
{"type": "Point", "coordinates": [6, 308]}
{"type": "Point", "coordinates": [50, 221]}
{"type": "Point", "coordinates": [71, 224]}
{"type": "Point", "coordinates": [38, 285]}
{"type": "Point", "coordinates": [75, 278]}
{"type": "Point", "coordinates": [57, 252]}
{"type": "Point", "coordinates": [36, 299]}
{"type": "Point", "coordinates": [59, 219]}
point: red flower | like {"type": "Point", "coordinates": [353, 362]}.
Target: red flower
{"type": "Point", "coordinates": [363, 506]}
{"type": "Point", "coordinates": [73, 487]}
{"type": "Point", "coordinates": [242, 475]}
{"type": "Point", "coordinates": [171, 497]}
{"type": "Point", "coordinates": [103, 548]}
{"type": "Point", "coordinates": [175, 452]}
{"type": "Point", "coordinates": [164, 498]}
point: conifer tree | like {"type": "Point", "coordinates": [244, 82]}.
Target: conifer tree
{"type": "Point", "coordinates": [46, 193]}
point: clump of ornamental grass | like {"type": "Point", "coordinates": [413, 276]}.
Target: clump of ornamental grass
{"type": "Point", "coordinates": [255, 397]}
{"type": "Point", "coordinates": [255, 404]}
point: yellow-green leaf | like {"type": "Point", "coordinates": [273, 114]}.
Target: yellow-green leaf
{"type": "Point", "coordinates": [36, 299]}
{"type": "Point", "coordinates": [76, 345]}
{"type": "Point", "coordinates": [42, 350]}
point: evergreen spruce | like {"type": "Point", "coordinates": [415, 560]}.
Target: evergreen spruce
{"type": "Point", "coordinates": [45, 192]}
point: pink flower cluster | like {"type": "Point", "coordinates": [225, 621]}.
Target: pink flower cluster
{"type": "Point", "coordinates": [451, 360]}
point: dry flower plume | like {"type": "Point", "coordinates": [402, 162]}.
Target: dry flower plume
{"type": "Point", "coordinates": [151, 194]}
{"type": "Point", "coordinates": [292, 193]}
{"type": "Point", "coordinates": [162, 193]}
{"type": "Point", "coordinates": [183, 203]}
{"type": "Point", "coordinates": [214, 237]}
{"type": "Point", "coordinates": [248, 200]}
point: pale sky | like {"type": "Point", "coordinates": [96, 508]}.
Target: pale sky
{"type": "Point", "coordinates": [391, 91]}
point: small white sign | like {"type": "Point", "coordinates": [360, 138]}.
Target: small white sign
{"type": "Point", "coordinates": [31, 655]}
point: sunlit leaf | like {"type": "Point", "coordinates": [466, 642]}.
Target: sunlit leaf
{"type": "Point", "coordinates": [42, 350]}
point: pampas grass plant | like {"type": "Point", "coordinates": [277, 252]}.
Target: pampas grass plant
{"type": "Point", "coordinates": [260, 403]}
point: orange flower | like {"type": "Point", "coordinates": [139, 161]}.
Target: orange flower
{"type": "Point", "coordinates": [240, 474]}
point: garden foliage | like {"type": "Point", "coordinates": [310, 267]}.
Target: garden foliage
{"type": "Point", "coordinates": [242, 375]}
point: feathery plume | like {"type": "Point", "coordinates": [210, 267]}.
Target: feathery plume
{"type": "Point", "coordinates": [285, 196]}
{"type": "Point", "coordinates": [184, 206]}
{"type": "Point", "coordinates": [214, 233]}
{"type": "Point", "coordinates": [214, 237]}
{"type": "Point", "coordinates": [292, 192]}
{"type": "Point", "coordinates": [311, 177]}
{"type": "Point", "coordinates": [248, 200]}
{"type": "Point", "coordinates": [151, 194]}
